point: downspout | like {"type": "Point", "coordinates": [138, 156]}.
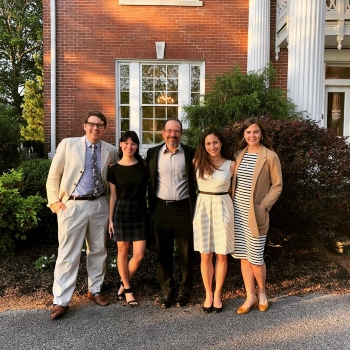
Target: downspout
{"type": "Point", "coordinates": [53, 76]}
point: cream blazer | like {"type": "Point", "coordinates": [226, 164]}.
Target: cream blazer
{"type": "Point", "coordinates": [266, 188]}
{"type": "Point", "coordinates": [68, 165]}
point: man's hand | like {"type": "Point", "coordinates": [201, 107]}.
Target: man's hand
{"type": "Point", "coordinates": [57, 206]}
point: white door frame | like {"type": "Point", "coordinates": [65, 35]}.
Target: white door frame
{"type": "Point", "coordinates": [339, 85]}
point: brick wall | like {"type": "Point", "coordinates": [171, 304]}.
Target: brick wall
{"type": "Point", "coordinates": [92, 34]}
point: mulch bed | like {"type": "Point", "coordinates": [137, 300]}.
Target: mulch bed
{"type": "Point", "coordinates": [290, 271]}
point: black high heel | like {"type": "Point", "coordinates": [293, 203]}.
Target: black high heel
{"type": "Point", "coordinates": [133, 302]}
{"type": "Point", "coordinates": [122, 294]}
{"type": "Point", "coordinates": [208, 310]}
{"type": "Point", "coordinates": [217, 309]}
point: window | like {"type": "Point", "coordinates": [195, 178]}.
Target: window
{"type": "Point", "coordinates": [162, 2]}
{"type": "Point", "coordinates": [151, 92]}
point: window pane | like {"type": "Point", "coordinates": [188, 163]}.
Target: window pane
{"type": "Point", "coordinates": [124, 70]}
{"type": "Point", "coordinates": [158, 138]}
{"type": "Point", "coordinates": [147, 125]}
{"type": "Point", "coordinates": [195, 72]}
{"type": "Point", "coordinates": [337, 72]}
{"type": "Point", "coordinates": [147, 138]}
{"type": "Point", "coordinates": [335, 112]}
{"type": "Point", "coordinates": [147, 112]}
{"type": "Point", "coordinates": [172, 84]}
{"type": "Point", "coordinates": [160, 97]}
{"type": "Point", "coordinates": [160, 71]}
{"type": "Point", "coordinates": [195, 85]}
{"type": "Point", "coordinates": [173, 71]}
{"type": "Point", "coordinates": [124, 125]}
{"type": "Point", "coordinates": [172, 112]}
{"type": "Point", "coordinates": [147, 71]}
{"type": "Point", "coordinates": [160, 84]}
{"type": "Point", "coordinates": [147, 97]}
{"type": "Point", "coordinates": [160, 112]}
{"type": "Point", "coordinates": [124, 98]}
{"type": "Point", "coordinates": [147, 84]}
{"type": "Point", "coordinates": [124, 84]}
{"type": "Point", "coordinates": [172, 98]}
{"type": "Point", "coordinates": [124, 112]}
{"type": "Point", "coordinates": [194, 98]}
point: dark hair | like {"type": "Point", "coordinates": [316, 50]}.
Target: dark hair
{"type": "Point", "coordinates": [266, 140]}
{"type": "Point", "coordinates": [201, 157]}
{"type": "Point", "coordinates": [174, 119]}
{"type": "Point", "coordinates": [134, 138]}
{"type": "Point", "coordinates": [96, 114]}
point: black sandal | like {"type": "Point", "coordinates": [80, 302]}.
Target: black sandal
{"type": "Point", "coordinates": [133, 302]}
{"type": "Point", "coordinates": [122, 294]}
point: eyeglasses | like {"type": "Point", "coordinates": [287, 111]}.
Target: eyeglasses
{"type": "Point", "coordinates": [176, 132]}
{"type": "Point", "coordinates": [99, 126]}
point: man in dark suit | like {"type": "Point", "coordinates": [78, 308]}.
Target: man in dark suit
{"type": "Point", "coordinates": [172, 199]}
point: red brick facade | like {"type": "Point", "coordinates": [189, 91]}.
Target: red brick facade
{"type": "Point", "coordinates": [92, 34]}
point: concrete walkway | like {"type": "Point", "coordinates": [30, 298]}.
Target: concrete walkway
{"type": "Point", "coordinates": [313, 322]}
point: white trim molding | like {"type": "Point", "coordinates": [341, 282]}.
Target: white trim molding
{"type": "Point", "coordinates": [161, 2]}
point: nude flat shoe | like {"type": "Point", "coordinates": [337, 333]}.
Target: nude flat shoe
{"type": "Point", "coordinates": [242, 310]}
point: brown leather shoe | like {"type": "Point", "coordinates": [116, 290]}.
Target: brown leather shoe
{"type": "Point", "coordinates": [58, 311]}
{"type": "Point", "coordinates": [99, 299]}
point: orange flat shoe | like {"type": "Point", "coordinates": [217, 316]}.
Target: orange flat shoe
{"type": "Point", "coordinates": [264, 307]}
{"type": "Point", "coordinates": [242, 310]}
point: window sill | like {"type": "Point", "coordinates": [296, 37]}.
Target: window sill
{"type": "Point", "coordinates": [162, 2]}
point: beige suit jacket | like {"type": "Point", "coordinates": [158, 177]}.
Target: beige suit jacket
{"type": "Point", "coordinates": [266, 188]}
{"type": "Point", "coordinates": [68, 165]}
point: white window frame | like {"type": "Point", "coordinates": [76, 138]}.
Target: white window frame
{"type": "Point", "coordinates": [135, 92]}
{"type": "Point", "coordinates": [161, 2]}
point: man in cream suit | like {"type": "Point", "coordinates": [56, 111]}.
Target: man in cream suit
{"type": "Point", "coordinates": [77, 194]}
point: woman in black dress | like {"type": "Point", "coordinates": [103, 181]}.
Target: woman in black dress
{"type": "Point", "coordinates": [127, 210]}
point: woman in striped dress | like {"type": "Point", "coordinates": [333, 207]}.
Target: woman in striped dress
{"type": "Point", "coordinates": [256, 186]}
{"type": "Point", "coordinates": [213, 218]}
{"type": "Point", "coordinates": [127, 210]}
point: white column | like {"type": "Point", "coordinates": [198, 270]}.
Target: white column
{"type": "Point", "coordinates": [258, 35]}
{"type": "Point", "coordinates": [306, 56]}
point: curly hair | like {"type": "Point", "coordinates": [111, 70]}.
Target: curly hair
{"type": "Point", "coordinates": [201, 158]}
{"type": "Point", "coordinates": [266, 140]}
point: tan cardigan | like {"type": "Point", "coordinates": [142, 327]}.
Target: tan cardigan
{"type": "Point", "coordinates": [266, 188]}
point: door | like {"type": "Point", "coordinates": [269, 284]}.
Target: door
{"type": "Point", "coordinates": [337, 110]}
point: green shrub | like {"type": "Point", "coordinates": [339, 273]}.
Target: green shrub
{"type": "Point", "coordinates": [35, 173]}
{"type": "Point", "coordinates": [17, 214]}
{"type": "Point", "coordinates": [45, 262]}
{"type": "Point", "coordinates": [316, 178]}
{"type": "Point", "coordinates": [236, 96]}
{"type": "Point", "coordinates": [31, 149]}
{"type": "Point", "coordinates": [10, 138]}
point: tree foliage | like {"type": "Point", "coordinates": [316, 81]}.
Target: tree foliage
{"type": "Point", "coordinates": [33, 106]}
{"type": "Point", "coordinates": [236, 96]}
{"type": "Point", "coordinates": [21, 37]}
{"type": "Point", "coordinates": [10, 139]}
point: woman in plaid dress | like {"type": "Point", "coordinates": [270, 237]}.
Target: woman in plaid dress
{"type": "Point", "coordinates": [213, 219]}
{"type": "Point", "coordinates": [127, 210]}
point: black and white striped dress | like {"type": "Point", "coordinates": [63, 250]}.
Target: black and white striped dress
{"type": "Point", "coordinates": [246, 246]}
